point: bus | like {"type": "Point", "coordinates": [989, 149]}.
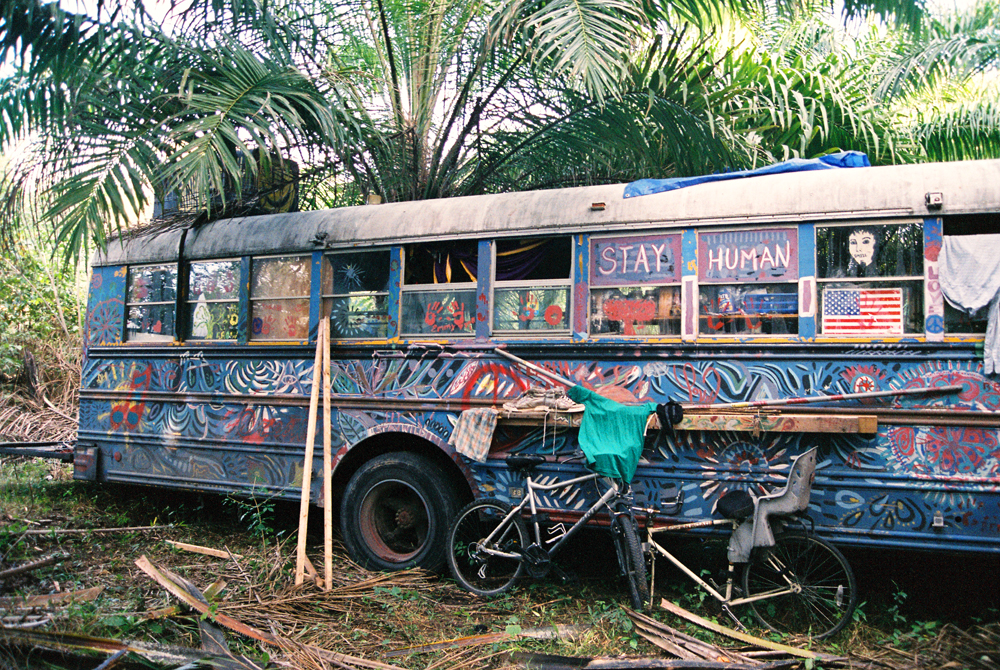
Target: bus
{"type": "Point", "coordinates": [200, 342]}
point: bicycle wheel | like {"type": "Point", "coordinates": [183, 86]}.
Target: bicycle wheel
{"type": "Point", "coordinates": [631, 558]}
{"type": "Point", "coordinates": [824, 594]}
{"type": "Point", "coordinates": [476, 570]}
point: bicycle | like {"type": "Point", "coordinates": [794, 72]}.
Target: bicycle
{"type": "Point", "coordinates": [490, 546]}
{"type": "Point", "coordinates": [793, 581]}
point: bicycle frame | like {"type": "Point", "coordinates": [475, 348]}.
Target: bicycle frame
{"type": "Point", "coordinates": [529, 500]}
{"type": "Point", "coordinates": [727, 599]}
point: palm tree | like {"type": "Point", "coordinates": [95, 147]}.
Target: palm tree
{"type": "Point", "coordinates": [405, 99]}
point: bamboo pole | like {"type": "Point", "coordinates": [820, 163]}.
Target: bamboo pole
{"type": "Point", "coordinates": [300, 554]}
{"type": "Point", "coordinates": [327, 461]}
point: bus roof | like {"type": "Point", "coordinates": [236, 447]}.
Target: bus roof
{"type": "Point", "coordinates": [966, 187]}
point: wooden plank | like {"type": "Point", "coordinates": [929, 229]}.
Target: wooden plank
{"type": "Point", "coordinates": [737, 635]}
{"type": "Point", "coordinates": [205, 551]}
{"type": "Point", "coordinates": [307, 465]}
{"type": "Point", "coordinates": [778, 423]}
{"type": "Point", "coordinates": [769, 422]}
{"type": "Point", "coordinates": [324, 332]}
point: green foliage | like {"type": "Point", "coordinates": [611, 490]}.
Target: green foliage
{"type": "Point", "coordinates": [30, 309]}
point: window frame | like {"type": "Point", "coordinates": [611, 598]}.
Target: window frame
{"type": "Point", "coordinates": [676, 285]}
{"type": "Point", "coordinates": [325, 311]}
{"type": "Point", "coordinates": [307, 258]}
{"type": "Point", "coordinates": [150, 338]}
{"type": "Point", "coordinates": [189, 317]}
{"type": "Point", "coordinates": [794, 254]}
{"type": "Point", "coordinates": [865, 282]}
{"type": "Point", "coordinates": [451, 287]}
{"type": "Point", "coordinates": [523, 284]}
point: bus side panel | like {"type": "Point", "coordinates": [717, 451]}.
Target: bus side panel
{"type": "Point", "coordinates": [918, 486]}
{"type": "Point", "coordinates": [105, 316]}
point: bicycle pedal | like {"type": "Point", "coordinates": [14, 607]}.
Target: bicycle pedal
{"type": "Point", "coordinates": [739, 624]}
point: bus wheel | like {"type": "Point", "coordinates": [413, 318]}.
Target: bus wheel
{"type": "Point", "coordinates": [396, 511]}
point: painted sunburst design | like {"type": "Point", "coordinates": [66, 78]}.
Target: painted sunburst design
{"type": "Point", "coordinates": [732, 467]}
{"type": "Point", "coordinates": [351, 275]}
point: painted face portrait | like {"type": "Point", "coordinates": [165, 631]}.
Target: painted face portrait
{"type": "Point", "coordinates": [862, 247]}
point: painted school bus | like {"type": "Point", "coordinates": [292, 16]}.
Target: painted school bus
{"type": "Point", "coordinates": [200, 344]}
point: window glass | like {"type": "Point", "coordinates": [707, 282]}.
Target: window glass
{"type": "Point", "coordinates": [766, 309]}
{"type": "Point", "coordinates": [959, 321]}
{"type": "Point", "coordinates": [636, 310]}
{"type": "Point", "coordinates": [213, 300]}
{"type": "Point", "coordinates": [438, 312]}
{"type": "Point", "coordinates": [635, 284]}
{"type": "Point", "coordinates": [279, 298]}
{"type": "Point", "coordinates": [530, 309]}
{"type": "Point", "coordinates": [748, 282]}
{"type": "Point", "coordinates": [152, 291]}
{"type": "Point", "coordinates": [870, 279]}
{"type": "Point", "coordinates": [885, 251]}
{"type": "Point", "coordinates": [453, 262]}
{"type": "Point", "coordinates": [532, 284]}
{"type": "Point", "coordinates": [356, 294]}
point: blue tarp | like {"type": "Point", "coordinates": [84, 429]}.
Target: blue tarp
{"type": "Point", "coordinates": [843, 159]}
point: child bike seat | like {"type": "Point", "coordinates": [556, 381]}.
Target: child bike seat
{"type": "Point", "coordinates": [791, 499]}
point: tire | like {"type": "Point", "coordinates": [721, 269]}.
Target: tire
{"type": "Point", "coordinates": [476, 571]}
{"type": "Point", "coordinates": [828, 596]}
{"type": "Point", "coordinates": [395, 513]}
{"type": "Point", "coordinates": [631, 558]}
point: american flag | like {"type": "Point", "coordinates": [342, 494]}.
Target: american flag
{"type": "Point", "coordinates": [864, 311]}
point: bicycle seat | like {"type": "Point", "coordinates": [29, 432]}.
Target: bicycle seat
{"type": "Point", "coordinates": [524, 461]}
{"type": "Point", "coordinates": [791, 499]}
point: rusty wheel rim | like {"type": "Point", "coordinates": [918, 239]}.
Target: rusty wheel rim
{"type": "Point", "coordinates": [394, 521]}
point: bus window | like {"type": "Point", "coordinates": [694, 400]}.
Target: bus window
{"type": "Point", "coordinates": [748, 282]}
{"type": "Point", "coordinates": [870, 279]}
{"type": "Point", "coordinates": [439, 289]}
{"type": "Point", "coordinates": [532, 285]}
{"type": "Point", "coordinates": [279, 298]}
{"type": "Point", "coordinates": [213, 306]}
{"type": "Point", "coordinates": [356, 294]}
{"type": "Point", "coordinates": [635, 285]}
{"type": "Point", "coordinates": [152, 292]}
{"type": "Point", "coordinates": [957, 321]}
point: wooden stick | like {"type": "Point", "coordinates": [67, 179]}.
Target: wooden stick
{"type": "Point", "coordinates": [206, 551]}
{"type": "Point", "coordinates": [828, 398]}
{"type": "Point", "coordinates": [327, 461]}
{"type": "Point", "coordinates": [308, 465]}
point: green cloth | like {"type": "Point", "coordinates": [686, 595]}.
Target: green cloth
{"type": "Point", "coordinates": [611, 434]}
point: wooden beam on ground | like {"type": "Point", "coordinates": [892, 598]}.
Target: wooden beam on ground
{"type": "Point", "coordinates": [205, 551]}
{"type": "Point", "coordinates": [737, 635]}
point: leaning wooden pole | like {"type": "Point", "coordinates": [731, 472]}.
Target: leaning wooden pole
{"type": "Point", "coordinates": [327, 461]}
{"type": "Point", "coordinates": [535, 368]}
{"type": "Point", "coordinates": [300, 554]}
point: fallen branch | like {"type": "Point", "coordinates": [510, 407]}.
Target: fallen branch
{"type": "Point", "coordinates": [33, 565]}
{"type": "Point", "coordinates": [84, 595]}
{"type": "Point", "coordinates": [83, 531]}
{"type": "Point", "coordinates": [543, 633]}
